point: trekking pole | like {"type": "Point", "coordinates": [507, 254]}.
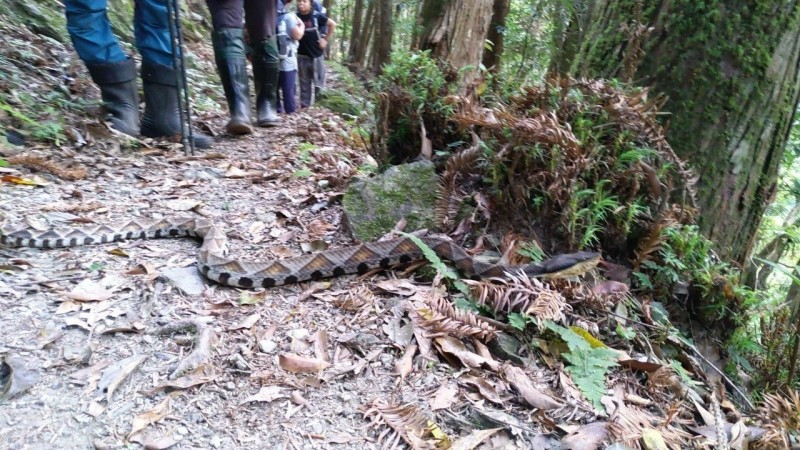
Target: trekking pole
{"type": "Point", "coordinates": [184, 105]}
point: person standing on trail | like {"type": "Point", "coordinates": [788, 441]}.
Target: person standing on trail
{"type": "Point", "coordinates": [260, 18]}
{"type": "Point", "coordinates": [290, 31]}
{"type": "Point", "coordinates": [115, 72]}
{"type": "Point", "coordinates": [312, 46]}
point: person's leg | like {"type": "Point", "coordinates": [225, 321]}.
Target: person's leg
{"type": "Point", "coordinates": [261, 23]}
{"type": "Point", "coordinates": [305, 73]}
{"type": "Point", "coordinates": [159, 76]}
{"type": "Point", "coordinates": [319, 77]}
{"type": "Point", "coordinates": [279, 103]}
{"type": "Point", "coordinates": [290, 91]}
{"type": "Point", "coordinates": [113, 71]}
{"type": "Point", "coordinates": [90, 31]}
{"type": "Point", "coordinates": [227, 39]}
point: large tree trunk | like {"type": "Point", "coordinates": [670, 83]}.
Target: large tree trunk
{"type": "Point", "coordinates": [366, 35]}
{"type": "Point", "coordinates": [455, 31]}
{"type": "Point", "coordinates": [496, 35]}
{"type": "Point", "coordinates": [731, 73]}
{"type": "Point", "coordinates": [383, 36]}
{"type": "Point", "coordinates": [355, 31]}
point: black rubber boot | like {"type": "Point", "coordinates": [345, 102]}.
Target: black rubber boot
{"type": "Point", "coordinates": [117, 82]}
{"type": "Point", "coordinates": [161, 114]}
{"type": "Point", "coordinates": [229, 53]}
{"type": "Point", "coordinates": [265, 74]}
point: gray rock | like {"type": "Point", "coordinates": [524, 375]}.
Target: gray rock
{"type": "Point", "coordinates": [372, 207]}
{"type": "Point", "coordinates": [187, 279]}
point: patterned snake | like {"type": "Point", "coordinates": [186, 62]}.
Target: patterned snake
{"type": "Point", "coordinates": [215, 265]}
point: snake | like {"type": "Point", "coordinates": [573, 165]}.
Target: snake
{"type": "Point", "coordinates": [214, 263]}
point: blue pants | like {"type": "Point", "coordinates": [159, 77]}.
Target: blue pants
{"type": "Point", "coordinates": [287, 90]}
{"type": "Point", "coordinates": [90, 31]}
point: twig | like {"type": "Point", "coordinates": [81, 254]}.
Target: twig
{"type": "Point", "coordinates": [53, 280]}
{"type": "Point", "coordinates": [202, 348]}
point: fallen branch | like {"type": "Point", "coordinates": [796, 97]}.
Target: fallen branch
{"type": "Point", "coordinates": [202, 347]}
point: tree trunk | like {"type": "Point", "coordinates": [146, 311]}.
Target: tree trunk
{"type": "Point", "coordinates": [730, 71]}
{"type": "Point", "coordinates": [383, 37]}
{"type": "Point", "coordinates": [455, 32]}
{"type": "Point", "coordinates": [366, 35]}
{"type": "Point", "coordinates": [496, 35]}
{"type": "Point", "coordinates": [355, 31]}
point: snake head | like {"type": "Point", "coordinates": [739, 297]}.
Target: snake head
{"type": "Point", "coordinates": [570, 264]}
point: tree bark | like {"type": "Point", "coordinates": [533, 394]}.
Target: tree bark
{"type": "Point", "coordinates": [455, 32]}
{"type": "Point", "coordinates": [366, 34]}
{"type": "Point", "coordinates": [730, 71]}
{"type": "Point", "coordinates": [383, 36]}
{"type": "Point", "coordinates": [496, 35]}
{"type": "Point", "coordinates": [355, 31]}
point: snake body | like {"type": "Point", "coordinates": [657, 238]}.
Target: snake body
{"type": "Point", "coordinates": [214, 264]}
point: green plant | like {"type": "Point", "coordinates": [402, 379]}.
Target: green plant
{"type": "Point", "coordinates": [588, 365]}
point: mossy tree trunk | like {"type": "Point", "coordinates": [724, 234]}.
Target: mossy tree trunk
{"type": "Point", "coordinates": [455, 31]}
{"type": "Point", "coordinates": [730, 71]}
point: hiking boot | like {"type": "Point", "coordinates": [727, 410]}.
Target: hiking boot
{"type": "Point", "coordinates": [117, 83]}
{"type": "Point", "coordinates": [161, 113]}
{"type": "Point", "coordinates": [265, 74]}
{"type": "Point", "coordinates": [232, 66]}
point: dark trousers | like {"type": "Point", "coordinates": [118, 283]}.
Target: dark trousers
{"type": "Point", "coordinates": [287, 90]}
{"type": "Point", "coordinates": [260, 16]}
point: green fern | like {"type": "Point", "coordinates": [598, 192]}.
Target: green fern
{"type": "Point", "coordinates": [588, 366]}
{"type": "Point", "coordinates": [445, 271]}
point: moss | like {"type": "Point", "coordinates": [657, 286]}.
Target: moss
{"type": "Point", "coordinates": [340, 103]}
{"type": "Point", "coordinates": [374, 206]}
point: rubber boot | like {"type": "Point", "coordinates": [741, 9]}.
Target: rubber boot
{"type": "Point", "coordinates": [161, 114]}
{"type": "Point", "coordinates": [229, 53]}
{"type": "Point", "coordinates": [117, 82]}
{"type": "Point", "coordinates": [265, 75]}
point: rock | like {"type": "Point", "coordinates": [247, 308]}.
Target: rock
{"type": "Point", "coordinates": [187, 279]}
{"type": "Point", "coordinates": [372, 207]}
{"type": "Point", "coordinates": [506, 346]}
{"type": "Point", "coordinates": [267, 346]}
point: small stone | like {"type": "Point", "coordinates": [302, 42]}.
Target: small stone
{"type": "Point", "coordinates": [346, 397]}
{"type": "Point", "coordinates": [215, 441]}
{"type": "Point", "coordinates": [230, 385]}
{"type": "Point", "coordinates": [267, 346]}
{"type": "Point", "coordinates": [183, 431]}
{"type": "Point", "coordinates": [387, 360]}
{"type": "Point", "coordinates": [323, 183]}
{"type": "Point", "coordinates": [300, 334]}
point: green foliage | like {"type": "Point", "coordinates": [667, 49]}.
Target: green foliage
{"type": "Point", "coordinates": [588, 366]}
{"type": "Point", "coordinates": [437, 263]}
{"type": "Point", "coordinates": [412, 91]}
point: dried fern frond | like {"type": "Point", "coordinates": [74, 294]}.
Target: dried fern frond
{"type": "Point", "coordinates": [631, 421]}
{"type": "Point", "coordinates": [39, 163]}
{"type": "Point", "coordinates": [520, 294]}
{"type": "Point", "coordinates": [652, 243]}
{"type": "Point", "coordinates": [355, 300]}
{"type": "Point", "coordinates": [438, 317]}
{"type": "Point", "coordinates": [781, 415]}
{"type": "Point", "coordinates": [450, 194]}
{"type": "Point", "coordinates": [396, 423]}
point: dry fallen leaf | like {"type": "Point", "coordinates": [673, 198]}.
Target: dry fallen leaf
{"type": "Point", "coordinates": [586, 437]}
{"type": "Point", "coordinates": [520, 381]}
{"type": "Point", "coordinates": [116, 373]}
{"type": "Point", "coordinates": [155, 443]}
{"type": "Point", "coordinates": [266, 394]}
{"type": "Point", "coordinates": [474, 439]}
{"type": "Point", "coordinates": [484, 387]}
{"type": "Point", "coordinates": [296, 364]}
{"type": "Point", "coordinates": [89, 291]}
{"type": "Point", "coordinates": [405, 364]}
{"type": "Point", "coordinates": [16, 377]}
{"type": "Point", "coordinates": [141, 421]}
{"type": "Point", "coordinates": [247, 322]}
{"type": "Point", "coordinates": [445, 396]}
{"type": "Point", "coordinates": [450, 347]}
{"type": "Point", "coordinates": [203, 373]}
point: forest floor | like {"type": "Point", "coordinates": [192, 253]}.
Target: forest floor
{"type": "Point", "coordinates": [93, 334]}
